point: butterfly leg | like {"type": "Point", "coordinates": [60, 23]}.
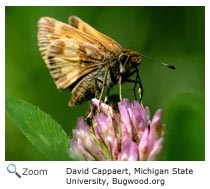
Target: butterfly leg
{"type": "Point", "coordinates": [140, 89]}
{"type": "Point", "coordinates": [107, 95]}
{"type": "Point", "coordinates": [101, 81]}
{"type": "Point", "coordinates": [136, 81]}
{"type": "Point", "coordinates": [120, 88]}
{"type": "Point", "coordinates": [104, 83]}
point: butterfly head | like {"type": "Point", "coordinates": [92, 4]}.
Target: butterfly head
{"type": "Point", "coordinates": [129, 60]}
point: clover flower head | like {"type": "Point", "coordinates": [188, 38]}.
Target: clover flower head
{"type": "Point", "coordinates": [122, 133]}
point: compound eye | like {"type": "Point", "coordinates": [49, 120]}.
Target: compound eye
{"type": "Point", "coordinates": [123, 59]}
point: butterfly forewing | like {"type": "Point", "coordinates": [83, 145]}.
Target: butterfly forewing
{"type": "Point", "coordinates": [66, 50]}
{"type": "Point", "coordinates": [71, 59]}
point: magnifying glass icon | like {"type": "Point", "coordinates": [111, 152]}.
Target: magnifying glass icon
{"type": "Point", "coordinates": [11, 168]}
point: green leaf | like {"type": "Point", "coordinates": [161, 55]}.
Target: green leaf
{"type": "Point", "coordinates": [44, 132]}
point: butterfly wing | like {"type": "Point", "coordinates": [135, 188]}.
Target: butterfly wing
{"type": "Point", "coordinates": [109, 43]}
{"type": "Point", "coordinates": [69, 53]}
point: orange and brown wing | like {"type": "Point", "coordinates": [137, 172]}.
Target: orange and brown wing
{"type": "Point", "coordinates": [69, 53]}
{"type": "Point", "coordinates": [109, 43]}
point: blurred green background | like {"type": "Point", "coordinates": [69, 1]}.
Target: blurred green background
{"type": "Point", "coordinates": [175, 35]}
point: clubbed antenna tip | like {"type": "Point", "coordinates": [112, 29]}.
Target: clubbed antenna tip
{"type": "Point", "coordinates": [155, 61]}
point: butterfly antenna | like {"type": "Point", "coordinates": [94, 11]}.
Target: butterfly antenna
{"type": "Point", "coordinates": [156, 61]}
